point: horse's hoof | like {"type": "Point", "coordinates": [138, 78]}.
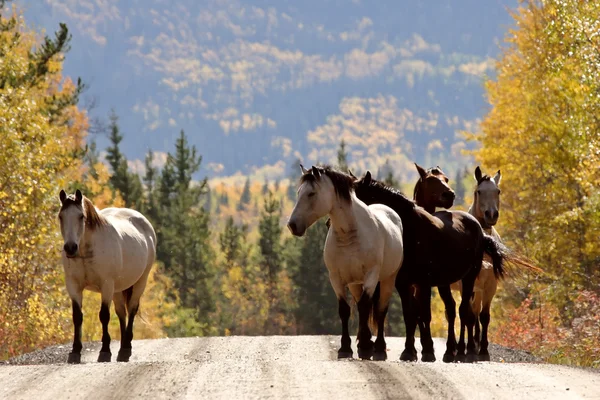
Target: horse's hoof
{"type": "Point", "coordinates": [104, 356]}
{"type": "Point", "coordinates": [460, 358]}
{"type": "Point", "coordinates": [124, 355]}
{"type": "Point", "coordinates": [74, 358]}
{"type": "Point", "coordinates": [408, 355]}
{"type": "Point", "coordinates": [380, 356]}
{"type": "Point", "coordinates": [448, 358]}
{"type": "Point", "coordinates": [427, 357]}
{"type": "Point", "coordinates": [484, 356]}
{"type": "Point", "coordinates": [471, 358]}
{"type": "Point", "coordinates": [365, 354]}
{"type": "Point", "coordinates": [344, 354]}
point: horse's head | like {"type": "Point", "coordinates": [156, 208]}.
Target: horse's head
{"type": "Point", "coordinates": [432, 189]}
{"type": "Point", "coordinates": [317, 194]}
{"type": "Point", "coordinates": [487, 197]}
{"type": "Point", "coordinates": [72, 221]}
{"type": "Point", "coordinates": [364, 189]}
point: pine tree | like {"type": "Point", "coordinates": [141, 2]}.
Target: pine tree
{"type": "Point", "coordinates": [342, 157]}
{"type": "Point", "coordinates": [184, 239]}
{"type": "Point", "coordinates": [265, 188]}
{"type": "Point", "coordinates": [246, 197]}
{"type": "Point", "coordinates": [459, 188]}
{"type": "Point", "coordinates": [293, 177]}
{"type": "Point", "coordinates": [317, 305]}
{"type": "Point", "coordinates": [270, 230]}
{"type": "Point", "coordinates": [150, 204]}
{"type": "Point", "coordinates": [231, 240]}
{"type": "Point", "coordinates": [122, 180]}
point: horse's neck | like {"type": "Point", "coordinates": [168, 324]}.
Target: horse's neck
{"type": "Point", "coordinates": [344, 216]}
{"type": "Point", "coordinates": [420, 200]}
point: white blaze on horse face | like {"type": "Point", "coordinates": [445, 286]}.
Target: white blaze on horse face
{"type": "Point", "coordinates": [488, 201]}
{"type": "Point", "coordinates": [314, 202]}
{"type": "Point", "coordinates": [72, 226]}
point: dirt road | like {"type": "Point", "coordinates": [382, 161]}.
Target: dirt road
{"type": "Point", "coordinates": [281, 368]}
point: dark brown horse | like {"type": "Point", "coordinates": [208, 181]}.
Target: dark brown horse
{"type": "Point", "coordinates": [438, 250]}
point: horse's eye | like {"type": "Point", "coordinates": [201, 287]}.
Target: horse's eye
{"type": "Point", "coordinates": [311, 194]}
{"type": "Point", "coordinates": [479, 192]}
{"type": "Point", "coordinates": [81, 218]}
{"type": "Point", "coordinates": [499, 191]}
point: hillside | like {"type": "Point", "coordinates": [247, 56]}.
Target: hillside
{"type": "Point", "coordinates": [258, 83]}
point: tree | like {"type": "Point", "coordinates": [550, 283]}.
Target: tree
{"type": "Point", "coordinates": [246, 197]}
{"type": "Point", "coordinates": [342, 157]}
{"type": "Point", "coordinates": [184, 235]}
{"type": "Point", "coordinates": [265, 188]}
{"type": "Point", "coordinates": [150, 204]}
{"type": "Point", "coordinates": [542, 132]}
{"type": "Point", "coordinates": [41, 149]}
{"type": "Point", "coordinates": [128, 184]}
{"type": "Point", "coordinates": [459, 187]}
{"type": "Point", "coordinates": [293, 177]}
{"type": "Point", "coordinates": [317, 304]}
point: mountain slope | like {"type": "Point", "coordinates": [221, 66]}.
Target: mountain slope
{"type": "Point", "coordinates": [258, 83]}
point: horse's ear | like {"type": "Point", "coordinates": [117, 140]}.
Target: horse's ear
{"type": "Point", "coordinates": [63, 196]}
{"type": "Point", "coordinates": [421, 170]}
{"type": "Point", "coordinates": [497, 177]}
{"type": "Point", "coordinates": [316, 171]}
{"type": "Point", "coordinates": [351, 174]}
{"type": "Point", "coordinates": [304, 170]}
{"type": "Point", "coordinates": [78, 196]}
{"type": "Point", "coordinates": [367, 179]}
{"type": "Point", "coordinates": [478, 175]}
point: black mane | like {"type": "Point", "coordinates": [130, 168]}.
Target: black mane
{"type": "Point", "coordinates": [342, 183]}
{"type": "Point", "coordinates": [378, 192]}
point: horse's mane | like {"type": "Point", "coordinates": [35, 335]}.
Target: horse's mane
{"type": "Point", "coordinates": [93, 220]}
{"type": "Point", "coordinates": [483, 179]}
{"type": "Point", "coordinates": [342, 183]}
{"type": "Point", "coordinates": [383, 194]}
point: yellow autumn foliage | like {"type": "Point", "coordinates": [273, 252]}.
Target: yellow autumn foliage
{"type": "Point", "coordinates": [36, 160]}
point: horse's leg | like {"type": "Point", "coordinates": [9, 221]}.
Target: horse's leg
{"type": "Point", "coordinates": [339, 288]}
{"type": "Point", "coordinates": [424, 303]}
{"type": "Point", "coordinates": [489, 293]}
{"type": "Point", "coordinates": [380, 309]}
{"type": "Point", "coordinates": [409, 310]}
{"type": "Point", "coordinates": [75, 354]}
{"type": "Point", "coordinates": [365, 345]}
{"type": "Point", "coordinates": [132, 304]}
{"type": "Point", "coordinates": [466, 314]}
{"type": "Point", "coordinates": [450, 305]}
{"type": "Point", "coordinates": [476, 307]}
{"type": "Point", "coordinates": [121, 310]}
{"type": "Point", "coordinates": [356, 290]}
{"type": "Point", "coordinates": [107, 292]}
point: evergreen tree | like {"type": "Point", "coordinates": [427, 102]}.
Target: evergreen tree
{"type": "Point", "coordinates": [265, 188]}
{"type": "Point", "coordinates": [122, 180]}
{"type": "Point", "coordinates": [293, 177]}
{"type": "Point", "coordinates": [342, 157]}
{"type": "Point", "coordinates": [459, 188]}
{"type": "Point", "coordinates": [150, 205]}
{"type": "Point", "coordinates": [231, 241]}
{"type": "Point", "coordinates": [317, 305]}
{"type": "Point", "coordinates": [270, 230]}
{"type": "Point", "coordinates": [184, 240]}
{"type": "Point", "coordinates": [246, 197]}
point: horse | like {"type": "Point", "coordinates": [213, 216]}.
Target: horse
{"type": "Point", "coordinates": [111, 252]}
{"type": "Point", "coordinates": [438, 250]}
{"type": "Point", "coordinates": [363, 251]}
{"type": "Point", "coordinates": [485, 207]}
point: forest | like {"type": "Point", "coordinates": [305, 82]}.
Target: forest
{"type": "Point", "coordinates": [227, 266]}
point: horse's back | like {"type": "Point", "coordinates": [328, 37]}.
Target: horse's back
{"type": "Point", "coordinates": [133, 228]}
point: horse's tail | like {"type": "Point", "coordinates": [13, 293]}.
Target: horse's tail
{"type": "Point", "coordinates": [497, 252]}
{"type": "Point", "coordinates": [374, 312]}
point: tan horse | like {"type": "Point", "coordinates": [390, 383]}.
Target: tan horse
{"type": "Point", "coordinates": [111, 252]}
{"type": "Point", "coordinates": [485, 207]}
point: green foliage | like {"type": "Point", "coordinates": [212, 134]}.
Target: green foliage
{"type": "Point", "coordinates": [128, 184]}
{"type": "Point", "coordinates": [246, 197]}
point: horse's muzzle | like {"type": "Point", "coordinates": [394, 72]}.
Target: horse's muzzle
{"type": "Point", "coordinates": [71, 249]}
{"type": "Point", "coordinates": [293, 227]}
